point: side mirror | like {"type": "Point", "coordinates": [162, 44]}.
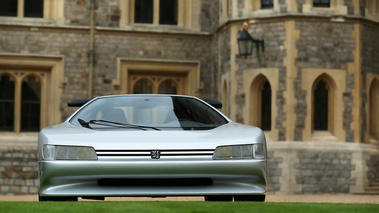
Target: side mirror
{"type": "Point", "coordinates": [77, 103]}
{"type": "Point", "coordinates": [215, 104]}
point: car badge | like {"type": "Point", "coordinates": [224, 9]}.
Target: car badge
{"type": "Point", "coordinates": [155, 154]}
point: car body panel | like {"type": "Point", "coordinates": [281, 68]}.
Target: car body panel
{"type": "Point", "coordinates": [125, 166]}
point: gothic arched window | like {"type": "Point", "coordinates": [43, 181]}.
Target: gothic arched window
{"type": "Point", "coordinates": [167, 87]}
{"type": "Point", "coordinates": [266, 106]}
{"type": "Point", "coordinates": [7, 92]}
{"type": "Point", "coordinates": [30, 104]}
{"type": "Point", "coordinates": [320, 106]}
{"type": "Point", "coordinates": [142, 87]}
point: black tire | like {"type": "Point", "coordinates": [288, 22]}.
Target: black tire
{"type": "Point", "coordinates": [249, 198]}
{"type": "Point", "coordinates": [57, 199]}
{"type": "Point", "coordinates": [222, 198]}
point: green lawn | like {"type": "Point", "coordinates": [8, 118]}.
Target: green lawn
{"type": "Point", "coordinates": [183, 207]}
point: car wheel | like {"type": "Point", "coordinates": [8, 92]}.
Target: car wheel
{"type": "Point", "coordinates": [224, 198]}
{"type": "Point", "coordinates": [251, 198]}
{"type": "Point", "coordinates": [58, 199]}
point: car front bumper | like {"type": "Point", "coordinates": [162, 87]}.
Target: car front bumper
{"type": "Point", "coordinates": [143, 178]}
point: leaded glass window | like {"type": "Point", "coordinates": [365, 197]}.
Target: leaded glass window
{"type": "Point", "coordinates": [22, 8]}
{"type": "Point", "coordinates": [8, 8]}
{"type": "Point", "coordinates": [167, 87]}
{"type": "Point", "coordinates": [142, 87]}
{"type": "Point", "coordinates": [267, 4]}
{"type": "Point", "coordinates": [33, 8]}
{"type": "Point", "coordinates": [321, 3]}
{"type": "Point", "coordinates": [30, 105]}
{"type": "Point", "coordinates": [7, 93]}
{"type": "Point", "coordinates": [168, 12]}
{"type": "Point", "coordinates": [143, 11]}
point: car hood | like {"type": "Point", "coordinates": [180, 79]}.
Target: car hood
{"type": "Point", "coordinates": [228, 134]}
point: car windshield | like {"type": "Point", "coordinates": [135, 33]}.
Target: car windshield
{"type": "Point", "coordinates": [159, 112]}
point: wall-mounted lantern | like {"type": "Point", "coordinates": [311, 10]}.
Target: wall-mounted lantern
{"type": "Point", "coordinates": [245, 42]}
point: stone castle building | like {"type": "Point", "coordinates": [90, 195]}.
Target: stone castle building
{"type": "Point", "coordinates": [314, 89]}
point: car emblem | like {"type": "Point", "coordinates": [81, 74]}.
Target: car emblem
{"type": "Point", "coordinates": [155, 154]}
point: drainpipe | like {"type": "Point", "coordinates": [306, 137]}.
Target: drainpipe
{"type": "Point", "coordinates": [91, 49]}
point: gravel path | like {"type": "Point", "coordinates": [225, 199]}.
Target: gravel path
{"type": "Point", "coordinates": [374, 199]}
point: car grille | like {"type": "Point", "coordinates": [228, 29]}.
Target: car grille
{"type": "Point", "coordinates": [155, 182]}
{"type": "Point", "coordinates": [165, 152]}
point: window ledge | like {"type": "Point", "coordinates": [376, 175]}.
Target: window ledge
{"type": "Point", "coordinates": [25, 21]}
{"type": "Point", "coordinates": [323, 136]}
{"type": "Point", "coordinates": [144, 28]}
{"type": "Point", "coordinates": [268, 135]}
{"type": "Point", "coordinates": [372, 140]}
{"type": "Point", "coordinates": [10, 138]}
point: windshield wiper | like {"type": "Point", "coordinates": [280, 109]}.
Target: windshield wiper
{"type": "Point", "coordinates": [112, 124]}
{"type": "Point", "coordinates": [84, 124]}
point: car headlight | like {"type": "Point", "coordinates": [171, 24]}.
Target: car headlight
{"type": "Point", "coordinates": [54, 152]}
{"type": "Point", "coordinates": [251, 151]}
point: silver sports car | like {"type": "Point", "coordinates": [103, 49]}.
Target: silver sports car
{"type": "Point", "coordinates": [151, 146]}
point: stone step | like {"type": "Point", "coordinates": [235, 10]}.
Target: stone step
{"type": "Point", "coordinates": [374, 184]}
{"type": "Point", "coordinates": [367, 193]}
{"type": "Point", "coordinates": [372, 188]}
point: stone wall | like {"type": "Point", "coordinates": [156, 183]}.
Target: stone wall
{"type": "Point", "coordinates": [326, 46]}
{"type": "Point", "coordinates": [107, 13]}
{"type": "Point", "coordinates": [293, 168]}
{"type": "Point", "coordinates": [373, 171]}
{"type": "Point", "coordinates": [274, 172]}
{"type": "Point", "coordinates": [18, 170]}
{"type": "Point", "coordinates": [72, 44]}
{"type": "Point", "coordinates": [370, 55]}
{"type": "Point", "coordinates": [76, 13]}
{"type": "Point", "coordinates": [321, 168]}
{"type": "Point", "coordinates": [273, 56]}
{"type": "Point", "coordinates": [109, 46]}
{"type": "Point", "coordinates": [209, 16]}
{"type": "Point", "coordinates": [350, 6]}
{"type": "Point", "coordinates": [325, 172]}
